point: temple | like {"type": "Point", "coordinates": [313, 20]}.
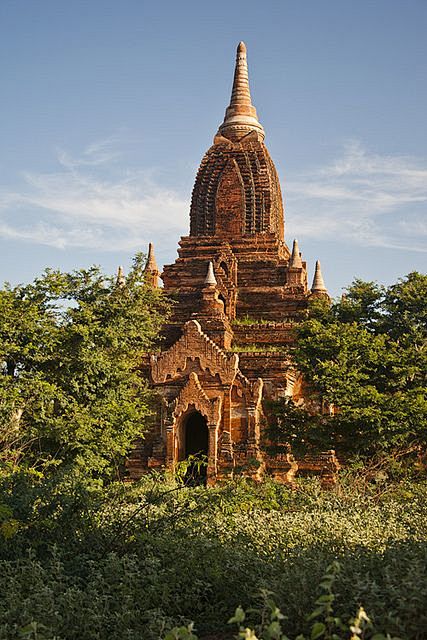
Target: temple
{"type": "Point", "coordinates": [239, 291]}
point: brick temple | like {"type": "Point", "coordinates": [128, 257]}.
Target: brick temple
{"type": "Point", "coordinates": [239, 291]}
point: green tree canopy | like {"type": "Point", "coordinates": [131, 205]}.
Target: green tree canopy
{"type": "Point", "coordinates": [365, 355]}
{"type": "Point", "coordinates": [72, 346]}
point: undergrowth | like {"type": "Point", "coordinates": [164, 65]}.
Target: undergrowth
{"type": "Point", "coordinates": [141, 561]}
{"type": "Point", "coordinates": [259, 348]}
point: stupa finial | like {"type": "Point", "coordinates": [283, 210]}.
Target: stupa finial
{"type": "Point", "coordinates": [120, 280]}
{"type": "Point", "coordinates": [318, 285]}
{"type": "Point", "coordinates": [210, 279]}
{"type": "Point", "coordinates": [241, 116]}
{"type": "Point", "coordinates": [151, 269]}
{"type": "Point", "coordinates": [151, 260]}
{"type": "Point", "coordinates": [296, 261]}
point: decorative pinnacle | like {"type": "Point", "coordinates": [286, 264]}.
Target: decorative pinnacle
{"type": "Point", "coordinates": [241, 116]}
{"type": "Point", "coordinates": [151, 270]}
{"type": "Point", "coordinates": [296, 262]}
{"type": "Point", "coordinates": [151, 260]}
{"type": "Point", "coordinates": [120, 280]}
{"type": "Point", "coordinates": [210, 276]}
{"type": "Point", "coordinates": [318, 285]}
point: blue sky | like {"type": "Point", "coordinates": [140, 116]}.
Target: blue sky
{"type": "Point", "coordinates": [107, 108]}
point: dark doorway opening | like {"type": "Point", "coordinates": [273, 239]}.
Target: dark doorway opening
{"type": "Point", "coordinates": [221, 297]}
{"type": "Point", "coordinates": [224, 267]}
{"type": "Point", "coordinates": [196, 438]}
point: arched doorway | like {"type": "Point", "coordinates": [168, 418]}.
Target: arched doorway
{"type": "Point", "coordinates": [196, 444]}
{"type": "Point", "coordinates": [221, 297]}
{"type": "Point", "coordinates": [224, 267]}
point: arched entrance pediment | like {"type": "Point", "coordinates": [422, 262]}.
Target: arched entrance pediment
{"type": "Point", "coordinates": [193, 395]}
{"type": "Point", "coordinates": [194, 344]}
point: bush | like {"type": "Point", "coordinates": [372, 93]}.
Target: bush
{"type": "Point", "coordinates": [139, 560]}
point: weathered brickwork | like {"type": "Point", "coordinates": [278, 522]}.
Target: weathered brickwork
{"type": "Point", "coordinates": [237, 191]}
{"type": "Point", "coordinates": [239, 293]}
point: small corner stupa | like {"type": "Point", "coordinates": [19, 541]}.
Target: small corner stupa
{"type": "Point", "coordinates": [239, 293]}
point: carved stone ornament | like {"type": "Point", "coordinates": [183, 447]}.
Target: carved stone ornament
{"type": "Point", "coordinates": [193, 394]}
{"type": "Point", "coordinates": [168, 407]}
{"type": "Point", "coordinates": [226, 446]}
{"type": "Point", "coordinates": [257, 389]}
{"type": "Point", "coordinates": [194, 344]}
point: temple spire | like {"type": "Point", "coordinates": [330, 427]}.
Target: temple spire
{"type": "Point", "coordinates": [210, 276]}
{"type": "Point", "coordinates": [120, 280]}
{"type": "Point", "coordinates": [318, 285]}
{"type": "Point", "coordinates": [151, 269]}
{"type": "Point", "coordinates": [296, 262]}
{"type": "Point", "coordinates": [151, 260]}
{"type": "Point", "coordinates": [241, 116]}
{"type": "Point", "coordinates": [241, 94]}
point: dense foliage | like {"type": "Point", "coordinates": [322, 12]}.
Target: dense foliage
{"type": "Point", "coordinates": [366, 356]}
{"type": "Point", "coordinates": [71, 345]}
{"type": "Point", "coordinates": [133, 562]}
{"type": "Point", "coordinates": [85, 556]}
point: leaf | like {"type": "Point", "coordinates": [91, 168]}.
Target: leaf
{"type": "Point", "coordinates": [239, 616]}
{"type": "Point", "coordinates": [248, 634]}
{"type": "Point", "coordinates": [317, 630]}
{"type": "Point", "coordinates": [316, 613]}
{"type": "Point", "coordinates": [325, 598]}
{"type": "Point", "coordinates": [9, 528]}
{"type": "Point", "coordinates": [274, 630]}
{"type": "Point", "coordinates": [181, 633]}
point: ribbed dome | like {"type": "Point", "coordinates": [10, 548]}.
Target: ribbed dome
{"type": "Point", "coordinates": [237, 191]}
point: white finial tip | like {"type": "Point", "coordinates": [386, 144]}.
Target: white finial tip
{"type": "Point", "coordinates": [210, 276]}
{"type": "Point", "coordinates": [241, 48]}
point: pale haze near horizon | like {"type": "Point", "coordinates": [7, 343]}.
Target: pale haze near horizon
{"type": "Point", "coordinates": [107, 109]}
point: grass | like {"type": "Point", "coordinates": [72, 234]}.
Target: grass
{"type": "Point", "coordinates": [258, 348]}
{"type": "Point", "coordinates": [250, 320]}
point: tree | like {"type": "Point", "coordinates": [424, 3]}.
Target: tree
{"type": "Point", "coordinates": [366, 356]}
{"type": "Point", "coordinates": [72, 345]}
